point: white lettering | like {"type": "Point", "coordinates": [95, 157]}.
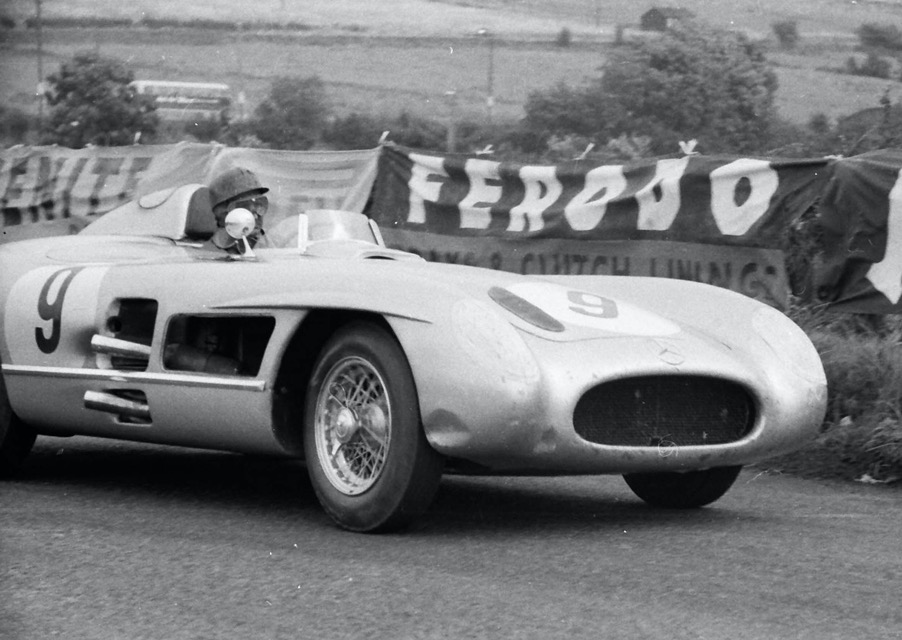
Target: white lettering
{"type": "Point", "coordinates": [657, 213]}
{"type": "Point", "coordinates": [19, 183]}
{"type": "Point", "coordinates": [475, 207]}
{"type": "Point", "coordinates": [542, 189]}
{"type": "Point", "coordinates": [736, 219]}
{"type": "Point", "coordinates": [427, 175]}
{"type": "Point", "coordinates": [886, 275]}
{"type": "Point", "coordinates": [587, 208]}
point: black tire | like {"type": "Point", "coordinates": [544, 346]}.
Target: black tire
{"type": "Point", "coordinates": [367, 455]}
{"type": "Point", "coordinates": [687, 490]}
{"type": "Point", "coordinates": [16, 438]}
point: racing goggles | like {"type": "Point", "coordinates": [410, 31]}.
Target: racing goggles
{"type": "Point", "coordinates": [256, 205]}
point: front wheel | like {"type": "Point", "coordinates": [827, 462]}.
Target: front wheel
{"type": "Point", "coordinates": [16, 438]}
{"type": "Point", "coordinates": [683, 490]}
{"type": "Point", "coordinates": [367, 456]}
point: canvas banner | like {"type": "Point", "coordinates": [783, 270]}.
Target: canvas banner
{"type": "Point", "coordinates": [53, 190]}
{"type": "Point", "coordinates": [861, 217]}
{"type": "Point", "coordinates": [720, 220]}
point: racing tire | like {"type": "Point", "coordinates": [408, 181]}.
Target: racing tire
{"type": "Point", "coordinates": [16, 438]}
{"type": "Point", "coordinates": [688, 490]}
{"type": "Point", "coordinates": [366, 453]}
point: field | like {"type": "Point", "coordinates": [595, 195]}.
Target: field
{"type": "Point", "coordinates": [424, 56]}
{"type": "Point", "coordinates": [508, 17]}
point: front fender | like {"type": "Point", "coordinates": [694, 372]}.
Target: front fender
{"type": "Point", "coordinates": [473, 369]}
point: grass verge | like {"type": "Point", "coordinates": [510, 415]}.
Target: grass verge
{"type": "Point", "coordinates": [861, 438]}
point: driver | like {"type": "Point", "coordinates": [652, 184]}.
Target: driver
{"type": "Point", "coordinates": [233, 189]}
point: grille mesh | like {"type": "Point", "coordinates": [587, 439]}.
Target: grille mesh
{"type": "Point", "coordinates": [668, 411]}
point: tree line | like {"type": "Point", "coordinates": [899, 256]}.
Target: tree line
{"type": "Point", "coordinates": [694, 83]}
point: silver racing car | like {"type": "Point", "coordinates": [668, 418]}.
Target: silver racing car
{"type": "Point", "coordinates": [382, 370]}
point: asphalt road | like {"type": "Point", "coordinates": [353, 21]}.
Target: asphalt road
{"type": "Point", "coordinates": [108, 540]}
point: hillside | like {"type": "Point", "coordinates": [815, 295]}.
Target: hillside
{"type": "Point", "coordinates": [509, 17]}
{"type": "Point", "coordinates": [411, 55]}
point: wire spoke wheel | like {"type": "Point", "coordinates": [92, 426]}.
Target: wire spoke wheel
{"type": "Point", "coordinates": [368, 458]}
{"type": "Point", "coordinates": [353, 425]}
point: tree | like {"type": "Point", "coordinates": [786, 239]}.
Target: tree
{"type": "Point", "coordinates": [565, 110]}
{"type": "Point", "coordinates": [294, 115]}
{"type": "Point", "coordinates": [14, 125]}
{"type": "Point", "coordinates": [714, 86]}
{"type": "Point", "coordinates": [880, 36]}
{"type": "Point", "coordinates": [874, 66]}
{"type": "Point", "coordinates": [564, 38]}
{"type": "Point", "coordinates": [787, 32]}
{"type": "Point", "coordinates": [354, 131]}
{"type": "Point", "coordinates": [92, 102]}
{"type": "Point", "coordinates": [693, 82]}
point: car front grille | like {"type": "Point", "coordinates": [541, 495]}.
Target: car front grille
{"type": "Point", "coordinates": [664, 411]}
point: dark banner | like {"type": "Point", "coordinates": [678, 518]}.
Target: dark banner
{"type": "Point", "coordinates": [720, 220]}
{"type": "Point", "coordinates": [861, 215]}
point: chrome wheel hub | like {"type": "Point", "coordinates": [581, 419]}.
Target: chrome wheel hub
{"type": "Point", "coordinates": [353, 425]}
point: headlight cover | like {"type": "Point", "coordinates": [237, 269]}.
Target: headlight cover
{"type": "Point", "coordinates": [525, 310]}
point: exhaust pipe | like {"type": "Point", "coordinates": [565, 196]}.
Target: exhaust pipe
{"type": "Point", "coordinates": [117, 347]}
{"type": "Point", "coordinates": [123, 407]}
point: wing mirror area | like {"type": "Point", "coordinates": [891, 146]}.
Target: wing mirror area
{"type": "Point", "coordinates": [239, 224]}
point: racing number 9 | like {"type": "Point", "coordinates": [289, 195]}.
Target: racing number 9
{"type": "Point", "coordinates": [53, 311]}
{"type": "Point", "coordinates": [590, 305]}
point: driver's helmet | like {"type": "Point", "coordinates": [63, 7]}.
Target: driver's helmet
{"type": "Point", "coordinates": [235, 183]}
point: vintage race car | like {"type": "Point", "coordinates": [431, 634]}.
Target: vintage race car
{"type": "Point", "coordinates": [382, 370]}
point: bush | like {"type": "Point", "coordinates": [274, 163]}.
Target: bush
{"type": "Point", "coordinates": [564, 38]}
{"type": "Point", "coordinates": [294, 115]}
{"type": "Point", "coordinates": [858, 366]}
{"type": "Point", "coordinates": [354, 131]}
{"type": "Point", "coordinates": [564, 110]}
{"type": "Point", "coordinates": [84, 22]}
{"type": "Point", "coordinates": [862, 433]}
{"type": "Point", "coordinates": [787, 32]}
{"type": "Point", "coordinates": [874, 66]}
{"type": "Point", "coordinates": [195, 23]}
{"type": "Point", "coordinates": [14, 126]}
{"type": "Point", "coordinates": [205, 130]}
{"type": "Point", "coordinates": [819, 123]}
{"type": "Point", "coordinates": [882, 36]}
{"type": "Point", "coordinates": [864, 378]}
{"type": "Point", "coordinates": [864, 135]}
{"type": "Point", "coordinates": [691, 83]}
{"type": "Point", "coordinates": [92, 102]}
{"type": "Point", "coordinates": [414, 131]}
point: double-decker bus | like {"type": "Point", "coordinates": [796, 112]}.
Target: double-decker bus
{"type": "Point", "coordinates": [188, 101]}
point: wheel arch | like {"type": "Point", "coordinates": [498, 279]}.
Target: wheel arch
{"type": "Point", "coordinates": [296, 367]}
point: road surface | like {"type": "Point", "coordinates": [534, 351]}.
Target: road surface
{"type": "Point", "coordinates": [110, 540]}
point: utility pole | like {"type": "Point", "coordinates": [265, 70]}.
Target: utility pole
{"type": "Point", "coordinates": [451, 141]}
{"type": "Point", "coordinates": [238, 54]}
{"type": "Point", "coordinates": [40, 88]}
{"type": "Point", "coordinates": [490, 80]}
